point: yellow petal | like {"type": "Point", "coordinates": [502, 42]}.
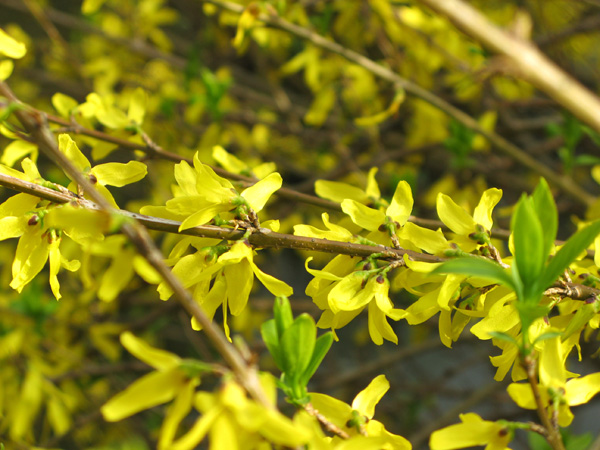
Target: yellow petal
{"type": "Point", "coordinates": [379, 328]}
{"type": "Point", "coordinates": [483, 211]}
{"type": "Point", "coordinates": [366, 399]}
{"type": "Point", "coordinates": [30, 258]}
{"type": "Point", "coordinates": [6, 69]}
{"type": "Point", "coordinates": [402, 203]}
{"type": "Point", "coordinates": [275, 286]}
{"type": "Point", "coordinates": [341, 297]}
{"type": "Point", "coordinates": [523, 396]}
{"type": "Point", "coordinates": [471, 432]}
{"type": "Point", "coordinates": [176, 413]}
{"type": "Point", "coordinates": [71, 151]}
{"type": "Point", "coordinates": [581, 390]}
{"type": "Point", "coordinates": [118, 174]}
{"type": "Point", "coordinates": [432, 242]}
{"type": "Point", "coordinates": [368, 218]}
{"type": "Point", "coordinates": [159, 359]}
{"type": "Point", "coordinates": [198, 431]}
{"type": "Point", "coordinates": [239, 279]}
{"type": "Point", "coordinates": [335, 410]}
{"type": "Point", "coordinates": [16, 150]}
{"type": "Point", "coordinates": [455, 217]}
{"type": "Point", "coordinates": [137, 106]}
{"type": "Point", "coordinates": [552, 364]}
{"type": "Point", "coordinates": [54, 262]}
{"type": "Point", "coordinates": [372, 189]}
{"type": "Point", "coordinates": [202, 216]}
{"type": "Point", "coordinates": [258, 194]}
{"type": "Point", "coordinates": [116, 277]}
{"type": "Point", "coordinates": [227, 160]}
{"type": "Point", "coordinates": [11, 47]}
{"type": "Point", "coordinates": [338, 192]}
{"type": "Point", "coordinates": [64, 104]}
{"type": "Point", "coordinates": [151, 390]}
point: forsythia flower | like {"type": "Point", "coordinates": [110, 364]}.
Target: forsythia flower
{"type": "Point", "coordinates": [11, 48]}
{"type": "Point", "coordinates": [232, 420]}
{"type": "Point", "coordinates": [348, 295]}
{"type": "Point", "coordinates": [555, 390]}
{"type": "Point", "coordinates": [40, 227]}
{"type": "Point", "coordinates": [471, 432]}
{"type": "Point", "coordinates": [108, 174]}
{"type": "Point", "coordinates": [358, 418]}
{"type": "Point", "coordinates": [462, 223]}
{"type": "Point", "coordinates": [233, 274]}
{"type": "Point", "coordinates": [202, 194]}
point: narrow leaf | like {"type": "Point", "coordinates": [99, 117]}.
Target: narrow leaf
{"type": "Point", "coordinates": [529, 254]}
{"type": "Point", "coordinates": [567, 254]}
{"type": "Point", "coordinates": [283, 315]}
{"type": "Point", "coordinates": [480, 268]}
{"type": "Point", "coordinates": [322, 346]}
{"type": "Point", "coordinates": [268, 330]}
{"type": "Point", "coordinates": [297, 345]}
{"type": "Point", "coordinates": [545, 208]}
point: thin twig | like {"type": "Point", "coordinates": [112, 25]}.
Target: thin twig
{"type": "Point", "coordinates": [531, 63]}
{"type": "Point", "coordinates": [265, 238]}
{"type": "Point", "coordinates": [552, 433]}
{"type": "Point", "coordinates": [327, 424]}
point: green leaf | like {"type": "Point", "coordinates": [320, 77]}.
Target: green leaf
{"type": "Point", "coordinates": [503, 337]}
{"type": "Point", "coordinates": [567, 254]}
{"type": "Point", "coordinates": [548, 335]}
{"type": "Point", "coordinates": [528, 240]}
{"type": "Point", "coordinates": [322, 346]}
{"type": "Point", "coordinates": [283, 315]}
{"type": "Point", "coordinates": [580, 319]}
{"type": "Point", "coordinates": [297, 345]}
{"type": "Point", "coordinates": [268, 330]}
{"type": "Point", "coordinates": [545, 209]}
{"type": "Point", "coordinates": [481, 268]}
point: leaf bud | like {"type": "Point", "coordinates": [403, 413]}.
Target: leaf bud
{"type": "Point", "coordinates": [382, 227]}
{"type": "Point", "coordinates": [380, 279]}
{"type": "Point", "coordinates": [368, 266]}
{"type": "Point", "coordinates": [92, 178]}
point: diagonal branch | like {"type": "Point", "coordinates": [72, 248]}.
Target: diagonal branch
{"type": "Point", "coordinates": [530, 62]}
{"type": "Point", "coordinates": [265, 238]}
{"type": "Point", "coordinates": [566, 183]}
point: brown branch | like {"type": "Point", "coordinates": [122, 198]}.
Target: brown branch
{"type": "Point", "coordinates": [530, 62]}
{"type": "Point", "coordinates": [265, 238]}
{"type": "Point", "coordinates": [566, 183]}
{"type": "Point", "coordinates": [552, 432]}
{"type": "Point", "coordinates": [327, 424]}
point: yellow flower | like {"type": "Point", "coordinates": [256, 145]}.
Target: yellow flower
{"type": "Point", "coordinates": [471, 432]}
{"type": "Point", "coordinates": [174, 379]}
{"type": "Point", "coordinates": [40, 227]}
{"type": "Point", "coordinates": [232, 420]}
{"type": "Point", "coordinates": [109, 174]}
{"type": "Point", "coordinates": [358, 418]}
{"type": "Point", "coordinates": [338, 192]}
{"type": "Point", "coordinates": [201, 195]}
{"type": "Point", "coordinates": [371, 219]}
{"type": "Point", "coordinates": [11, 48]}
{"type": "Point", "coordinates": [462, 223]}
{"type": "Point", "coordinates": [556, 392]}
{"type": "Point", "coordinates": [348, 295]}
